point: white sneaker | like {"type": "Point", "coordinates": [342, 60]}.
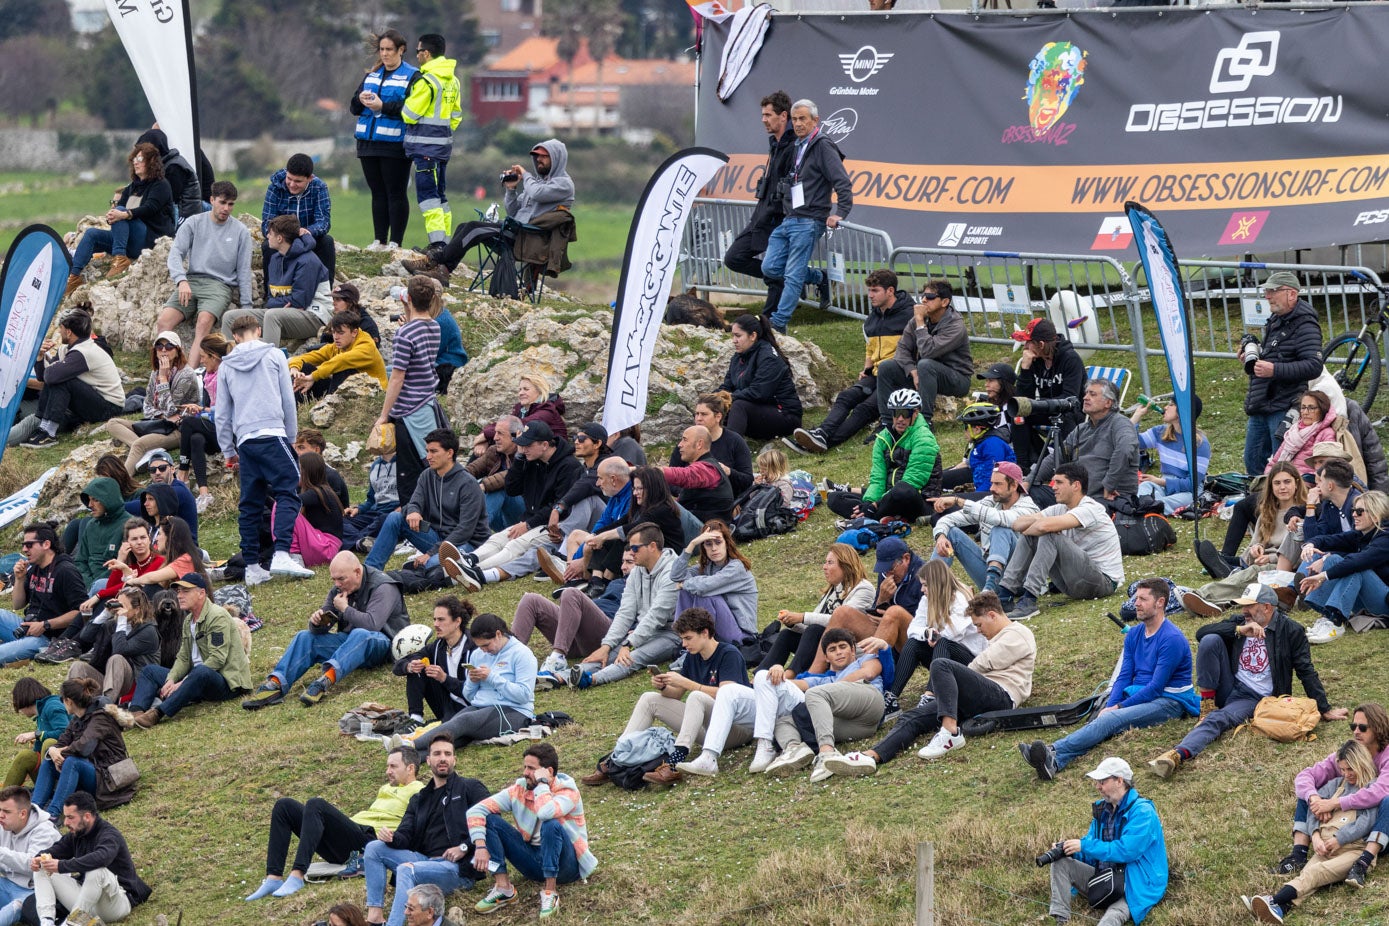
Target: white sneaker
{"type": "Point", "coordinates": [255, 575]}
{"type": "Point", "coordinates": [404, 549]}
{"type": "Point", "coordinates": [855, 763]}
{"type": "Point", "coordinates": [392, 246]}
{"type": "Point", "coordinates": [203, 503]}
{"type": "Point", "coordinates": [793, 759]}
{"type": "Point", "coordinates": [765, 756]}
{"type": "Point", "coordinates": [943, 742]}
{"type": "Point", "coordinates": [375, 246]}
{"type": "Point", "coordinates": [706, 766]}
{"type": "Point", "coordinates": [282, 564]}
{"type": "Point", "coordinates": [555, 664]}
{"type": "Point", "coordinates": [820, 771]}
{"type": "Point", "coordinates": [1324, 630]}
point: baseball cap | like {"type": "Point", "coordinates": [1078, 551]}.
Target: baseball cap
{"type": "Point", "coordinates": [1282, 278]}
{"type": "Point", "coordinates": [160, 455]}
{"type": "Point", "coordinates": [191, 580]}
{"type": "Point", "coordinates": [536, 430]}
{"type": "Point", "coordinates": [1012, 470]}
{"type": "Point", "coordinates": [1039, 329]}
{"type": "Point", "coordinates": [890, 550]}
{"type": "Point", "coordinates": [1111, 767]}
{"type": "Point", "coordinates": [1329, 450]}
{"type": "Point", "coordinates": [170, 337]}
{"type": "Point", "coordinates": [1257, 593]}
{"type": "Point", "coordinates": [541, 149]}
{"type": "Point", "coordinates": [347, 291]}
{"type": "Point", "coordinates": [999, 371]}
{"type": "Point", "coordinates": [595, 432]}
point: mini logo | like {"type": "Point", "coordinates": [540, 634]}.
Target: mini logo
{"type": "Point", "coordinates": [952, 235]}
{"type": "Point", "coordinates": [1115, 234]}
{"type": "Point", "coordinates": [864, 63]}
{"type": "Point", "coordinates": [1244, 227]}
{"type": "Point", "coordinates": [1054, 77]}
{"type": "Point", "coordinates": [1256, 55]}
{"type": "Point", "coordinates": [840, 124]}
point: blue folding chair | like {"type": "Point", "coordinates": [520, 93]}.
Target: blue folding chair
{"type": "Point", "coordinates": [1119, 376]}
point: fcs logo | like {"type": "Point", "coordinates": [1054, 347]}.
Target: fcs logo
{"type": "Point", "coordinates": [1373, 217]}
{"type": "Point", "coordinates": [1256, 55]}
{"type": "Point", "coordinates": [951, 236]}
{"type": "Point", "coordinates": [840, 124]}
{"type": "Point", "coordinates": [864, 63]}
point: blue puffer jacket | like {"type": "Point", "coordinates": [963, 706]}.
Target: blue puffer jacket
{"type": "Point", "coordinates": [1360, 552]}
{"type": "Point", "coordinates": [1140, 848]}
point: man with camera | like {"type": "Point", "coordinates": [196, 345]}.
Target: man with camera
{"type": "Point", "coordinates": [742, 254]}
{"type": "Point", "coordinates": [1051, 374]}
{"type": "Point", "coordinates": [1279, 368]}
{"type": "Point", "coordinates": [1120, 865]}
{"type": "Point", "coordinates": [993, 516]}
{"type": "Point", "coordinates": [352, 630]}
{"type": "Point", "coordinates": [1105, 443]}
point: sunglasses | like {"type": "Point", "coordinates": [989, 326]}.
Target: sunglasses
{"type": "Point", "coordinates": [582, 438]}
{"type": "Point", "coordinates": [927, 297]}
{"type": "Point", "coordinates": [159, 470]}
{"type": "Point", "coordinates": [1360, 727]}
{"type": "Point", "coordinates": [634, 547]}
{"type": "Point", "coordinates": [29, 543]}
{"type": "Point", "coordinates": [1357, 511]}
{"type": "Point", "coordinates": [165, 346]}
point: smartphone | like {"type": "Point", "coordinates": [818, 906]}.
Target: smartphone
{"type": "Point", "coordinates": [468, 665]}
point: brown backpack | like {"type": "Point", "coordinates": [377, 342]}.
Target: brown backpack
{"type": "Point", "coordinates": [1286, 719]}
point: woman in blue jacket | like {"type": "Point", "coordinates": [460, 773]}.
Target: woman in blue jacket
{"type": "Point", "coordinates": [500, 686]}
{"type": "Point", "coordinates": [380, 134]}
{"type": "Point", "coordinates": [1350, 571]}
{"type": "Point", "coordinates": [765, 402]}
{"type": "Point", "coordinates": [1125, 831]}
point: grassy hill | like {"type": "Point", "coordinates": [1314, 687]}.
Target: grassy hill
{"type": "Point", "coordinates": [743, 849]}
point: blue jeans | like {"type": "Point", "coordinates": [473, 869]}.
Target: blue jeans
{"type": "Point", "coordinates": [12, 898]}
{"type": "Point", "coordinates": [359, 648]}
{"type": "Point", "coordinates": [410, 868]}
{"type": "Point", "coordinates": [128, 238]}
{"type": "Point", "coordinates": [202, 684]}
{"type": "Point", "coordinates": [52, 787]}
{"type": "Point", "coordinates": [1111, 723]}
{"type": "Point", "coordinates": [788, 259]}
{"type": "Point", "coordinates": [393, 531]}
{"type": "Point", "coordinates": [17, 647]}
{"type": "Point", "coordinates": [553, 858]}
{"type": "Point", "coordinates": [1259, 442]}
{"type": "Point", "coordinates": [1348, 594]}
{"type": "Point", "coordinates": [972, 559]}
{"type": "Point", "coordinates": [503, 510]}
{"type": "Point", "coordinates": [1170, 502]}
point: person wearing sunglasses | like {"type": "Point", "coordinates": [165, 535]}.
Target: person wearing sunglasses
{"type": "Point", "coordinates": [170, 496]}
{"type": "Point", "coordinates": [1348, 572]}
{"type": "Point", "coordinates": [932, 355]}
{"type": "Point", "coordinates": [48, 590]}
{"type": "Point", "coordinates": [1239, 661]}
{"type": "Point", "coordinates": [906, 467]}
{"type": "Point", "coordinates": [172, 387]}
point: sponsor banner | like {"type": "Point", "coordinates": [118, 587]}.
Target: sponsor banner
{"type": "Point", "coordinates": [16, 506]}
{"type": "Point", "coordinates": [157, 38]}
{"type": "Point", "coordinates": [1033, 134]}
{"type": "Point", "coordinates": [653, 245]}
{"type": "Point", "coordinates": [31, 286]}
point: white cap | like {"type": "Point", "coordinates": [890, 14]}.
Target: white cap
{"type": "Point", "coordinates": [1112, 767]}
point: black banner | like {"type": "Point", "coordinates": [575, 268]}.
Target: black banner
{"type": "Point", "coordinates": [1245, 130]}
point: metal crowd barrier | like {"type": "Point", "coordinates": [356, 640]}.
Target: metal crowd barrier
{"type": "Point", "coordinates": [849, 253]}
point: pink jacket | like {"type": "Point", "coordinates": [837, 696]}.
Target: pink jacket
{"type": "Point", "coordinates": [1310, 779]}
{"type": "Point", "coordinates": [1298, 442]}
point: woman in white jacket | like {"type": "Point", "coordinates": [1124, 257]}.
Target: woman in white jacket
{"type": "Point", "coordinates": [846, 583]}
{"type": "Point", "coordinates": [940, 626]}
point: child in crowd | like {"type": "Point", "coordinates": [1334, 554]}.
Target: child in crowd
{"type": "Point", "coordinates": [42, 706]}
{"type": "Point", "coordinates": [774, 470]}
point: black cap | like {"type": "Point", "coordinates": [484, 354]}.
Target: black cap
{"type": "Point", "coordinates": [535, 431]}
{"type": "Point", "coordinates": [595, 432]}
{"type": "Point", "coordinates": [999, 371]}
{"type": "Point", "coordinates": [191, 580]}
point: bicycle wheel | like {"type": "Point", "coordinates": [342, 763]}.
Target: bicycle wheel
{"type": "Point", "coordinates": [1354, 362]}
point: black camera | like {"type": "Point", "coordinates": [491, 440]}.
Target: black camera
{"type": "Point", "coordinates": [1055, 854]}
{"type": "Point", "coordinates": [782, 193]}
{"type": "Point", "coordinates": [1249, 349]}
{"type": "Point", "coordinates": [510, 176]}
{"type": "Point", "coordinates": [1061, 406]}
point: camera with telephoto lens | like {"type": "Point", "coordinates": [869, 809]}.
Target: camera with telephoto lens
{"type": "Point", "coordinates": [1059, 406]}
{"type": "Point", "coordinates": [1248, 352]}
{"type": "Point", "coordinates": [510, 176]}
{"type": "Point", "coordinates": [1055, 854]}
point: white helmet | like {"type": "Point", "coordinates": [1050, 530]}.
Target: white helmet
{"type": "Point", "coordinates": [903, 400]}
{"type": "Point", "coordinates": [411, 639]}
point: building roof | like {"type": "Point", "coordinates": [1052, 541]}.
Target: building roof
{"type": "Point", "coordinates": [537, 53]}
{"type": "Point", "coordinates": [621, 72]}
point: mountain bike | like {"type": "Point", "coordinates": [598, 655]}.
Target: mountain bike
{"type": "Point", "coordinates": [1355, 359]}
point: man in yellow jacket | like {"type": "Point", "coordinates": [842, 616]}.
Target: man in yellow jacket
{"type": "Point", "coordinates": [327, 831]}
{"type": "Point", "coordinates": [432, 112]}
{"type": "Point", "coordinates": [352, 350]}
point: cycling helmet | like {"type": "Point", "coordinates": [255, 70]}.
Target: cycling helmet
{"type": "Point", "coordinates": [980, 414]}
{"type": "Point", "coordinates": [904, 399]}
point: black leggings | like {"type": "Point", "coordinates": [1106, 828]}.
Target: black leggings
{"type": "Point", "coordinates": [420, 690]}
{"type": "Point", "coordinates": [1242, 515]}
{"type": "Point", "coordinates": [901, 501]}
{"type": "Point", "coordinates": [197, 437]}
{"type": "Point", "coordinates": [760, 422]}
{"type": "Point", "coordinates": [805, 645]}
{"type": "Point", "coordinates": [389, 182]}
{"type": "Point", "coordinates": [917, 653]}
{"type": "Point", "coordinates": [321, 828]}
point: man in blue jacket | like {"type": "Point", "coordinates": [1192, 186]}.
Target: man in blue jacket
{"type": "Point", "coordinates": [300, 300]}
{"type": "Point", "coordinates": [295, 191]}
{"type": "Point", "coordinates": [1125, 831]}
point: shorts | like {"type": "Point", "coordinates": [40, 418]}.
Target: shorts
{"type": "Point", "coordinates": [209, 295]}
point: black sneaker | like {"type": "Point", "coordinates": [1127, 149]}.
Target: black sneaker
{"type": "Point", "coordinates": [60, 651]}
{"type": "Point", "coordinates": [470, 573]}
{"type": "Point", "coordinates": [1211, 560]}
{"type": "Point", "coordinates": [1290, 864]}
{"type": "Point", "coordinates": [597, 588]}
{"type": "Point", "coordinates": [892, 708]}
{"type": "Point", "coordinates": [1025, 609]}
{"type": "Point", "coordinates": [580, 584]}
{"type": "Point", "coordinates": [811, 440]}
{"type": "Point", "coordinates": [1356, 877]}
{"type": "Point", "coordinates": [407, 726]}
{"type": "Point", "coordinates": [40, 440]}
{"type": "Point", "coordinates": [822, 290]}
{"type": "Point", "coordinates": [1041, 757]}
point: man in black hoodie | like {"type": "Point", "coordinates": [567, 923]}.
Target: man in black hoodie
{"type": "Point", "coordinates": [94, 851]}
{"type": "Point", "coordinates": [48, 588]}
{"type": "Point", "coordinates": [742, 255]}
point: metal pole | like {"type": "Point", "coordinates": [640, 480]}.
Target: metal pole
{"type": "Point", "coordinates": [925, 884]}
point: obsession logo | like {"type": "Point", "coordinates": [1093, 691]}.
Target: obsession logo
{"type": "Point", "coordinates": [1256, 55]}
{"type": "Point", "coordinates": [840, 124]}
{"type": "Point", "coordinates": [864, 63]}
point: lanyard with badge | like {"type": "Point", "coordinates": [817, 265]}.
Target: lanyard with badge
{"type": "Point", "coordinates": [797, 188]}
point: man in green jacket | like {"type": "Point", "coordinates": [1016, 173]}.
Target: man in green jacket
{"type": "Point", "coordinates": [104, 532]}
{"type": "Point", "coordinates": [905, 456]}
{"type": "Point", "coordinates": [211, 664]}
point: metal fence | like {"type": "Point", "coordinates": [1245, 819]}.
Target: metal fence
{"type": "Point", "coordinates": [848, 253]}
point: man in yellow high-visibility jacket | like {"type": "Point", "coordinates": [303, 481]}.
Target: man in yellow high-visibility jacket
{"type": "Point", "coordinates": [432, 112]}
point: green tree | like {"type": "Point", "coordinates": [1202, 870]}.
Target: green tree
{"type": "Point", "coordinates": [110, 89]}
{"type": "Point", "coordinates": [49, 18]}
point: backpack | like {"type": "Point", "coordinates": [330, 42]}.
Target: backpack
{"type": "Point", "coordinates": [762, 514]}
{"type": "Point", "coordinates": [1286, 719]}
{"type": "Point", "coordinates": [1129, 611]}
{"type": "Point", "coordinates": [1142, 535]}
{"type": "Point", "coordinates": [803, 493]}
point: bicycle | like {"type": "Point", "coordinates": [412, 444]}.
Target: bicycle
{"type": "Point", "coordinates": [1354, 360]}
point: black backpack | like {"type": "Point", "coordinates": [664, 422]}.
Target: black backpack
{"type": "Point", "coordinates": [628, 777]}
{"type": "Point", "coordinates": [1143, 534]}
{"type": "Point", "coordinates": [761, 514]}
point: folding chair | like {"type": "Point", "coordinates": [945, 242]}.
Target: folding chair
{"type": "Point", "coordinates": [496, 253]}
{"type": "Point", "coordinates": [1119, 376]}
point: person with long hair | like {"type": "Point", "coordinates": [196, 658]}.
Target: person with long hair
{"type": "Point", "coordinates": [196, 429]}
{"type": "Point", "coordinates": [1265, 515]}
{"type": "Point", "coordinates": [535, 402]}
{"type": "Point", "coordinates": [434, 675]}
{"type": "Point", "coordinates": [136, 557]}
{"type": "Point", "coordinates": [349, 914]}
{"type": "Point", "coordinates": [91, 744]}
{"type": "Point", "coordinates": [722, 583]}
{"type": "Point", "coordinates": [941, 628]}
{"type": "Point", "coordinates": [172, 389]}
{"type": "Point", "coordinates": [773, 469]}
{"type": "Point", "coordinates": [142, 211]}
{"type": "Point", "coordinates": [380, 134]}
{"type": "Point", "coordinates": [1349, 572]}
{"type": "Point", "coordinates": [765, 402]}
{"type": "Point", "coordinates": [1174, 486]}
{"type": "Point", "coordinates": [173, 541]}
{"type": "Point", "coordinates": [846, 583]}
{"type": "Point", "coordinates": [31, 698]}
{"type": "Point", "coordinates": [126, 642]}
{"type": "Point", "coordinates": [1316, 422]}
{"type": "Point", "coordinates": [725, 445]}
{"type": "Point", "coordinates": [318, 528]}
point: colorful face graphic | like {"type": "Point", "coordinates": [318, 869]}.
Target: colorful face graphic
{"type": "Point", "coordinates": [1054, 78]}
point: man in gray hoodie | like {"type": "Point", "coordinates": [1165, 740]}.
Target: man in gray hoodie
{"type": "Point", "coordinates": [256, 425]}
{"type": "Point", "coordinates": [25, 832]}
